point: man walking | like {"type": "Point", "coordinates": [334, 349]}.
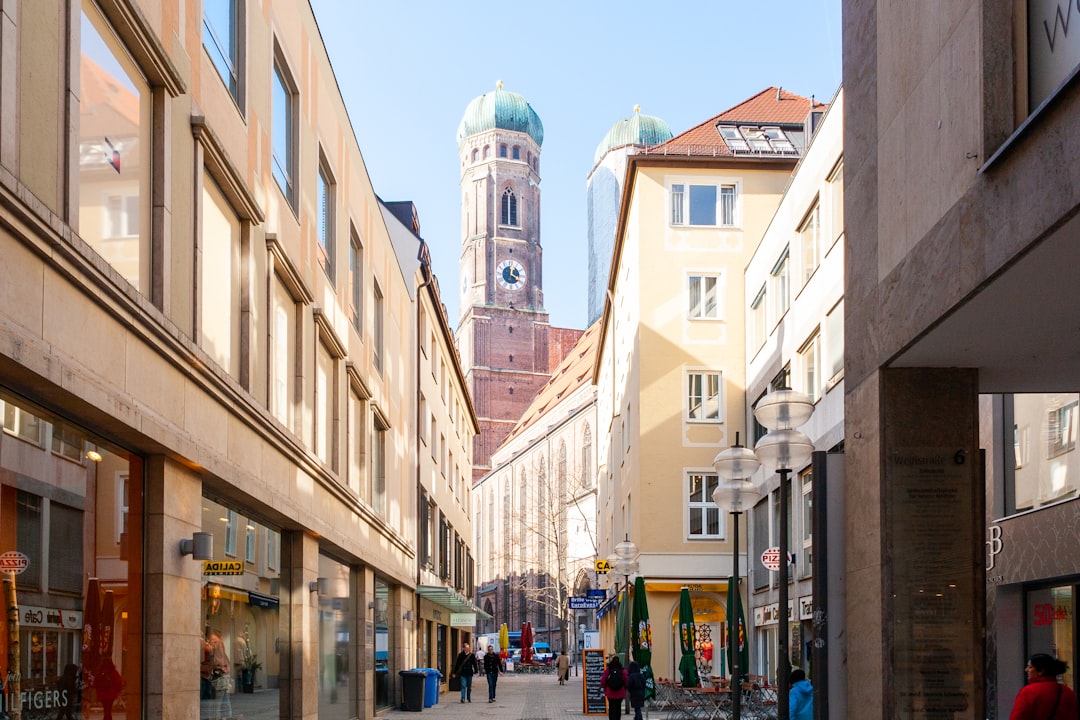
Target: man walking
{"type": "Point", "coordinates": [465, 668]}
{"type": "Point", "coordinates": [492, 668]}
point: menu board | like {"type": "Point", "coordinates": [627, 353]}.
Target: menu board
{"type": "Point", "coordinates": [593, 700]}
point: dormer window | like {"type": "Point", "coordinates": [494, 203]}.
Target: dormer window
{"type": "Point", "coordinates": [509, 209]}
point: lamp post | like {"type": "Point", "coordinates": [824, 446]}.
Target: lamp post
{"type": "Point", "coordinates": [782, 450]}
{"type": "Point", "coordinates": [626, 564]}
{"type": "Point", "coordinates": [736, 495]}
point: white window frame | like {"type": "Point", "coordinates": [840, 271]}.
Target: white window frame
{"type": "Point", "coordinates": [680, 192]}
{"type": "Point", "coordinates": [810, 242]}
{"type": "Point", "coordinates": [834, 344]}
{"type": "Point", "coordinates": [326, 219]}
{"type": "Point", "coordinates": [780, 280]}
{"type": "Point", "coordinates": [232, 520]}
{"type": "Point", "coordinates": [705, 506]}
{"type": "Point", "coordinates": [699, 310]}
{"type": "Point", "coordinates": [810, 365]}
{"type": "Point", "coordinates": [702, 399]}
{"type": "Point", "coordinates": [759, 319]}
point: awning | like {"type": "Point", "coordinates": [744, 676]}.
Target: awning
{"type": "Point", "coordinates": [450, 599]}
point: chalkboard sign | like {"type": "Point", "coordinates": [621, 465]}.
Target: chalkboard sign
{"type": "Point", "coordinates": [594, 661]}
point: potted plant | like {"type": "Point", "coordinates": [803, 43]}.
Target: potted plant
{"type": "Point", "coordinates": [247, 672]}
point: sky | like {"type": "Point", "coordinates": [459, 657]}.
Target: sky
{"type": "Point", "coordinates": [408, 68]}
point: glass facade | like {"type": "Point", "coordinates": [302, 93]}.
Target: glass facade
{"type": "Point", "coordinates": [384, 641]}
{"type": "Point", "coordinates": [1051, 618]}
{"type": "Point", "coordinates": [71, 569]}
{"type": "Point", "coordinates": [337, 687]}
{"type": "Point", "coordinates": [244, 634]}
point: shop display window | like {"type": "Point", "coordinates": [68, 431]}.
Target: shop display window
{"type": "Point", "coordinates": [337, 667]}
{"type": "Point", "coordinates": [71, 570]}
{"type": "Point", "coordinates": [1051, 614]}
{"type": "Point", "coordinates": [385, 672]}
{"type": "Point", "coordinates": [244, 634]}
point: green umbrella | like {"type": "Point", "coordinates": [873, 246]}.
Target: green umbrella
{"type": "Point", "coordinates": [622, 629]}
{"type": "Point", "coordinates": [736, 622]}
{"type": "Point", "coordinates": [687, 632]}
{"type": "Point", "coordinates": [641, 636]}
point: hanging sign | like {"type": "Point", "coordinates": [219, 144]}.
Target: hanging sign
{"type": "Point", "coordinates": [14, 562]}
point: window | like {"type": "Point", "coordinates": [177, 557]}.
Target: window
{"type": "Point", "coordinates": [487, 151]}
{"type": "Point", "coordinates": [327, 191]}
{"type": "Point", "coordinates": [586, 457]}
{"type": "Point", "coordinates": [759, 542]}
{"type": "Point", "coordinates": [219, 273]}
{"type": "Point", "coordinates": [442, 454]}
{"type": "Point", "coordinates": [758, 324]}
{"type": "Point", "coordinates": [282, 359]}
{"type": "Point", "coordinates": [509, 209]}
{"type": "Point", "coordinates": [834, 339]}
{"type": "Point", "coordinates": [283, 117]}
{"type": "Point", "coordinates": [806, 521]}
{"type": "Point", "coordinates": [704, 516]}
{"type": "Point", "coordinates": [221, 38]}
{"type": "Point", "coordinates": [809, 242]}
{"type": "Point", "coordinates": [502, 151]}
{"type": "Point", "coordinates": [325, 376]}
{"type": "Point", "coordinates": [705, 205]}
{"type": "Point", "coordinates": [357, 434]}
{"type": "Point", "coordinates": [232, 520]}
{"type": "Point", "coordinates": [733, 138]}
{"type": "Point", "coordinates": [356, 281]}
{"type": "Point", "coordinates": [809, 365]}
{"type": "Point", "coordinates": [23, 424]}
{"type": "Point", "coordinates": [115, 125]}
{"type": "Point", "coordinates": [703, 396]}
{"type": "Point", "coordinates": [377, 327]}
{"type": "Point", "coordinates": [67, 442]}
{"type": "Point", "coordinates": [434, 439]}
{"type": "Point", "coordinates": [517, 153]}
{"type": "Point", "coordinates": [836, 195]}
{"type": "Point", "coordinates": [780, 284]}
{"type": "Point", "coordinates": [249, 542]}
{"type": "Point", "coordinates": [273, 548]}
{"type": "Point", "coordinates": [1062, 430]}
{"type": "Point", "coordinates": [123, 506]}
{"type": "Point", "coordinates": [704, 298]}
{"type": "Point", "coordinates": [378, 467]}
{"type": "Point", "coordinates": [475, 155]}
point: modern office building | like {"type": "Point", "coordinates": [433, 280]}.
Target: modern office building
{"type": "Point", "coordinates": [208, 375]}
{"type": "Point", "coordinates": [671, 364]}
{"type": "Point", "coordinates": [961, 207]}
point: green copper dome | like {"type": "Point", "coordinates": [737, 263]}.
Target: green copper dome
{"type": "Point", "coordinates": [637, 129]}
{"type": "Point", "coordinates": [503, 110]}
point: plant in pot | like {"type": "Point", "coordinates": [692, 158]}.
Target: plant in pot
{"type": "Point", "coordinates": [247, 672]}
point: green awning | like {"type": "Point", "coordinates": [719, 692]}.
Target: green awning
{"type": "Point", "coordinates": [450, 599]}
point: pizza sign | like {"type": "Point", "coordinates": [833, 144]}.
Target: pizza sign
{"type": "Point", "coordinates": [14, 562]}
{"type": "Point", "coordinates": [771, 558]}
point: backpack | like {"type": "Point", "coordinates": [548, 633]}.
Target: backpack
{"type": "Point", "coordinates": [615, 680]}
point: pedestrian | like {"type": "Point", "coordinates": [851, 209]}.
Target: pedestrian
{"type": "Point", "coordinates": [220, 674]}
{"type": "Point", "coordinates": [800, 696]}
{"type": "Point", "coordinates": [1044, 698]}
{"type": "Point", "coordinates": [492, 668]}
{"type": "Point", "coordinates": [464, 669]}
{"type": "Point", "coordinates": [614, 683]}
{"type": "Point", "coordinates": [635, 686]}
{"type": "Point", "coordinates": [562, 667]}
{"type": "Point", "coordinates": [68, 692]}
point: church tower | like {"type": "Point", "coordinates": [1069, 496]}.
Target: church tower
{"type": "Point", "coordinates": [503, 327]}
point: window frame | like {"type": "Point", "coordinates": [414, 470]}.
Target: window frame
{"type": "Point", "coordinates": [326, 219]}
{"type": "Point", "coordinates": [809, 233]}
{"type": "Point", "coordinates": [705, 506]}
{"type": "Point", "coordinates": [699, 311]}
{"type": "Point", "coordinates": [234, 60]}
{"type": "Point", "coordinates": [780, 280]}
{"type": "Point", "coordinates": [703, 397]}
{"type": "Point", "coordinates": [284, 169]}
{"type": "Point", "coordinates": [356, 280]}
{"type": "Point", "coordinates": [810, 368]}
{"type": "Point", "coordinates": [727, 205]}
{"type": "Point", "coordinates": [508, 209]}
{"type": "Point", "coordinates": [377, 325]}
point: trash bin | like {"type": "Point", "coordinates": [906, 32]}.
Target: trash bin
{"type": "Point", "coordinates": [412, 690]}
{"type": "Point", "coordinates": [431, 685]}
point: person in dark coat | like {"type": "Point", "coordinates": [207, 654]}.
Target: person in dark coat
{"type": "Point", "coordinates": [465, 668]}
{"type": "Point", "coordinates": [635, 688]}
{"type": "Point", "coordinates": [492, 668]}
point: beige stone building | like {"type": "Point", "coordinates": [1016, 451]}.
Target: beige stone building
{"type": "Point", "coordinates": [671, 368]}
{"type": "Point", "coordinates": [961, 206]}
{"type": "Point", "coordinates": [209, 344]}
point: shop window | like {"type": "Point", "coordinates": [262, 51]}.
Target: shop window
{"type": "Point", "coordinates": [113, 183]}
{"type": "Point", "coordinates": [243, 653]}
{"type": "Point", "coordinates": [336, 651]}
{"type": "Point", "coordinates": [384, 640]}
{"type": "Point", "coordinates": [1051, 613]}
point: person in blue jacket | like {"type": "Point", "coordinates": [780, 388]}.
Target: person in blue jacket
{"type": "Point", "coordinates": [801, 696]}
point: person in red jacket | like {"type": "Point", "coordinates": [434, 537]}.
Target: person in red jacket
{"type": "Point", "coordinates": [1044, 698]}
{"type": "Point", "coordinates": [614, 683]}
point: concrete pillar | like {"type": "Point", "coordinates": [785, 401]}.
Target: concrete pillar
{"type": "Point", "coordinates": [172, 586]}
{"type": "Point", "coordinates": [300, 674]}
{"type": "Point", "coordinates": [915, 546]}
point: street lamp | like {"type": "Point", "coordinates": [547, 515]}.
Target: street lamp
{"type": "Point", "coordinates": [782, 450]}
{"type": "Point", "coordinates": [736, 495]}
{"type": "Point", "coordinates": [626, 564]}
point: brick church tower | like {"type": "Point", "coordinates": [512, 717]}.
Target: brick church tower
{"type": "Point", "coordinates": [503, 330]}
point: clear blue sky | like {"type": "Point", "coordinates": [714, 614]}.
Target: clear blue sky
{"type": "Point", "coordinates": [408, 68]}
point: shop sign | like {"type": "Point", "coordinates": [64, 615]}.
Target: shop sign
{"type": "Point", "coordinates": [14, 562]}
{"type": "Point", "coordinates": [771, 614]}
{"type": "Point", "coordinates": [32, 616]}
{"type": "Point", "coordinates": [263, 601]}
{"type": "Point", "coordinates": [223, 567]}
{"type": "Point", "coordinates": [597, 594]}
{"type": "Point", "coordinates": [1053, 52]}
{"type": "Point", "coordinates": [581, 602]}
{"type": "Point", "coordinates": [806, 607]}
{"type": "Point", "coordinates": [466, 619]}
{"type": "Point", "coordinates": [602, 566]}
{"type": "Point", "coordinates": [771, 558]}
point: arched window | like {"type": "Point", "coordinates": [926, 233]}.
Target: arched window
{"type": "Point", "coordinates": [502, 150]}
{"type": "Point", "coordinates": [509, 214]}
{"type": "Point", "coordinates": [475, 155]}
{"type": "Point", "coordinates": [586, 457]}
{"type": "Point", "coordinates": [487, 151]}
{"type": "Point", "coordinates": [517, 153]}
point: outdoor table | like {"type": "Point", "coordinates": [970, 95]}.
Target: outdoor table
{"type": "Point", "coordinates": [714, 702]}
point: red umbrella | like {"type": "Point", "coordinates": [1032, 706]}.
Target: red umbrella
{"type": "Point", "coordinates": [105, 625]}
{"type": "Point", "coordinates": [526, 642]}
{"type": "Point", "coordinates": [90, 642]}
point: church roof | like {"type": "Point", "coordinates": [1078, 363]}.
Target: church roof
{"type": "Point", "coordinates": [503, 110]}
{"type": "Point", "coordinates": [574, 371]}
{"type": "Point", "coordinates": [638, 129]}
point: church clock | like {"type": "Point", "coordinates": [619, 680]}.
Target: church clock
{"type": "Point", "coordinates": [510, 274]}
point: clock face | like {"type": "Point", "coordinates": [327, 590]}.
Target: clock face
{"type": "Point", "coordinates": [510, 274]}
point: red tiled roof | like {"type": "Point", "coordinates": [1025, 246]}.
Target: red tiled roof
{"type": "Point", "coordinates": [574, 371]}
{"type": "Point", "coordinates": [771, 106]}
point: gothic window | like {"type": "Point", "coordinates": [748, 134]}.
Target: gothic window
{"type": "Point", "coordinates": [502, 151]}
{"type": "Point", "coordinates": [517, 153]}
{"type": "Point", "coordinates": [509, 214]}
{"type": "Point", "coordinates": [475, 155]}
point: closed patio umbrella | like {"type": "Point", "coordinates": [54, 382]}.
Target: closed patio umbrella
{"type": "Point", "coordinates": [504, 642]}
{"type": "Point", "coordinates": [687, 632]}
{"type": "Point", "coordinates": [641, 636]}
{"type": "Point", "coordinates": [526, 642]}
{"type": "Point", "coordinates": [622, 628]}
{"type": "Point", "coordinates": [737, 633]}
